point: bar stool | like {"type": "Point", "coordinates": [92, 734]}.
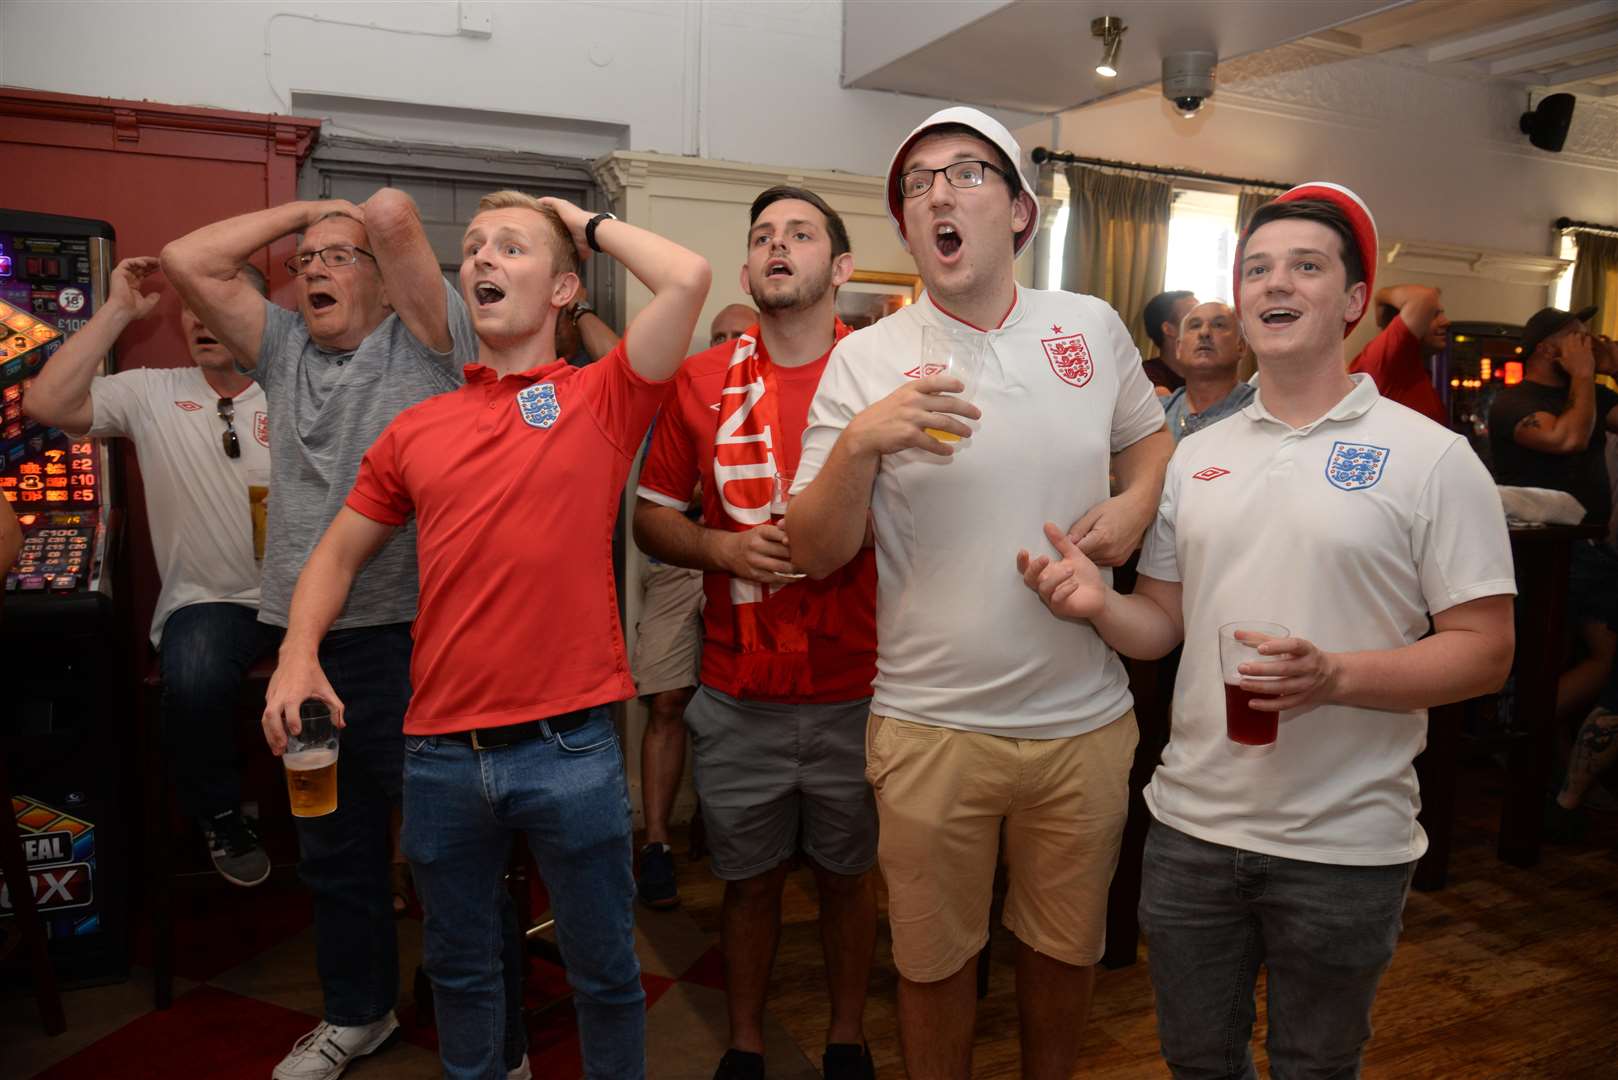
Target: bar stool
{"type": "Point", "coordinates": [161, 814]}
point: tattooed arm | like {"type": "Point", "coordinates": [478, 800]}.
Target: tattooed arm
{"type": "Point", "coordinates": [1594, 749]}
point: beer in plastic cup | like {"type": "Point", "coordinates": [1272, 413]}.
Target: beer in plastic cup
{"type": "Point", "coordinates": [311, 762]}
{"type": "Point", "coordinates": [1238, 644]}
{"type": "Point", "coordinates": [946, 351]}
{"type": "Point", "coordinates": [258, 499]}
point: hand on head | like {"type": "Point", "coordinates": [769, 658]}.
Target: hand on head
{"type": "Point", "coordinates": [124, 287]}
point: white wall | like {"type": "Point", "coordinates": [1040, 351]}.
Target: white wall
{"type": "Point", "coordinates": [754, 82]}
{"type": "Point", "coordinates": [1437, 158]}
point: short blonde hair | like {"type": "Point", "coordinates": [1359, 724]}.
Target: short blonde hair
{"type": "Point", "coordinates": [564, 256]}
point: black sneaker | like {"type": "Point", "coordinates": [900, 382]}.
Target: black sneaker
{"type": "Point", "coordinates": [656, 885]}
{"type": "Point", "coordinates": [234, 847]}
{"type": "Point", "coordinates": [847, 1061]}
{"type": "Point", "coordinates": [740, 1065]}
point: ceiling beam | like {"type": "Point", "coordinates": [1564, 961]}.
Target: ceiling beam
{"type": "Point", "coordinates": [1593, 70]}
{"type": "Point", "coordinates": [1472, 45]}
{"type": "Point", "coordinates": [1542, 58]}
{"type": "Point", "coordinates": [1426, 20]}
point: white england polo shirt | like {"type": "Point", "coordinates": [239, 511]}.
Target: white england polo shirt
{"type": "Point", "coordinates": [1348, 531]}
{"type": "Point", "coordinates": [961, 642]}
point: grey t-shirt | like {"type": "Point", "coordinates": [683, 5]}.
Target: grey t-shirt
{"type": "Point", "coordinates": [329, 407]}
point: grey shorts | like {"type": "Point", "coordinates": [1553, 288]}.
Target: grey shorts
{"type": "Point", "coordinates": [763, 770]}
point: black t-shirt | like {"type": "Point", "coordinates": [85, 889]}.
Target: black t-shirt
{"type": "Point", "coordinates": [1582, 475]}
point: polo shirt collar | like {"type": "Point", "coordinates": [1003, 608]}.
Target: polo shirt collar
{"type": "Point", "coordinates": [1354, 404]}
{"type": "Point", "coordinates": [482, 373]}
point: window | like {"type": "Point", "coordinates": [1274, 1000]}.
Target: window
{"type": "Point", "coordinates": [1202, 241]}
{"type": "Point", "coordinates": [1569, 250]}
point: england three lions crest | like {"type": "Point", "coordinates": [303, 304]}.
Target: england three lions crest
{"type": "Point", "coordinates": [538, 406]}
{"type": "Point", "coordinates": [1355, 466]}
{"type": "Point", "coordinates": [1070, 358]}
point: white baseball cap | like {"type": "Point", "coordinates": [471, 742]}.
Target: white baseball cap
{"type": "Point", "coordinates": [993, 132]}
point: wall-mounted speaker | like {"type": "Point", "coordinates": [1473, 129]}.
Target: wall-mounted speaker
{"type": "Point", "coordinates": [1546, 127]}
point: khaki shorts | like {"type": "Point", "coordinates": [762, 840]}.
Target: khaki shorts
{"type": "Point", "coordinates": [668, 637]}
{"type": "Point", "coordinates": [941, 797]}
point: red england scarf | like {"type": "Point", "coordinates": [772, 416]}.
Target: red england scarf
{"type": "Point", "coordinates": [772, 621]}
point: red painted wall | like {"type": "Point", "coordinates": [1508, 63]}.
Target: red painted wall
{"type": "Point", "coordinates": [155, 172]}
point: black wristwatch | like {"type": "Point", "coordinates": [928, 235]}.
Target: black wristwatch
{"type": "Point", "coordinates": [590, 228]}
{"type": "Point", "coordinates": [580, 307]}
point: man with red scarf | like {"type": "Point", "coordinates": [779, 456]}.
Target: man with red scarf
{"type": "Point", "coordinates": [778, 724]}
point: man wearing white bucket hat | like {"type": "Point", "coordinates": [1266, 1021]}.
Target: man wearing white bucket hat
{"type": "Point", "coordinates": [1346, 519]}
{"type": "Point", "coordinates": [986, 712]}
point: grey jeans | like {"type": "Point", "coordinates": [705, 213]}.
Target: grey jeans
{"type": "Point", "coordinates": [1326, 933]}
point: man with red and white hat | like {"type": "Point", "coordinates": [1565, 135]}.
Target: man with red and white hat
{"type": "Point", "coordinates": [1350, 520]}
{"type": "Point", "coordinates": [986, 713]}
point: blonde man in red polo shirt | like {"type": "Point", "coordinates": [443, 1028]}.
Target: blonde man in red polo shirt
{"type": "Point", "coordinates": [778, 724]}
{"type": "Point", "coordinates": [514, 481]}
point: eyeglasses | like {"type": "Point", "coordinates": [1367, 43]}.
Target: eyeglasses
{"type": "Point", "coordinates": [961, 174]}
{"type": "Point", "coordinates": [227, 413]}
{"type": "Point", "coordinates": [334, 257]}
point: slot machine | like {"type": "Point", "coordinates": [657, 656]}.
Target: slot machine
{"type": "Point", "coordinates": [64, 718]}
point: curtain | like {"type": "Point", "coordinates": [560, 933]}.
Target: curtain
{"type": "Point", "coordinates": [1247, 203]}
{"type": "Point", "coordinates": [1595, 279]}
{"type": "Point", "coordinates": [1117, 242]}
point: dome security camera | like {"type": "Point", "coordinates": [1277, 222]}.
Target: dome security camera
{"type": "Point", "coordinates": [1188, 79]}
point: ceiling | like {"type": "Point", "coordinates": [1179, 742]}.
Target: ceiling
{"type": "Point", "coordinates": [1038, 56]}
{"type": "Point", "coordinates": [1563, 45]}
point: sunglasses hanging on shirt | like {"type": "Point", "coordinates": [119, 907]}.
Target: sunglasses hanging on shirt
{"type": "Point", "coordinates": [227, 413]}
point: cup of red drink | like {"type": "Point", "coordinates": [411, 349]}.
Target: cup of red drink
{"type": "Point", "coordinates": [1238, 644]}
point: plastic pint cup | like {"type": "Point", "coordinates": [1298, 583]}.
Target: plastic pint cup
{"type": "Point", "coordinates": [311, 762]}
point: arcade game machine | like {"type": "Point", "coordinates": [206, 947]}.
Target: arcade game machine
{"type": "Point", "coordinates": [1483, 357]}
{"type": "Point", "coordinates": [61, 725]}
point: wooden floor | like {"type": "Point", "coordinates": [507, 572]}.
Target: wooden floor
{"type": "Point", "coordinates": [1507, 973]}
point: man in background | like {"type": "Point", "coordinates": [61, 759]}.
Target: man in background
{"type": "Point", "coordinates": [1163, 315]}
{"type": "Point", "coordinates": [202, 436]}
{"type": "Point", "coordinates": [1413, 327]}
{"type": "Point", "coordinates": [1210, 349]}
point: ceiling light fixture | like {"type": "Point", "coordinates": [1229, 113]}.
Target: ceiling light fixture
{"type": "Point", "coordinates": [1110, 29]}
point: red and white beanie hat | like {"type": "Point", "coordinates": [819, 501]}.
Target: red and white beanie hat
{"type": "Point", "coordinates": [993, 132]}
{"type": "Point", "coordinates": [1360, 222]}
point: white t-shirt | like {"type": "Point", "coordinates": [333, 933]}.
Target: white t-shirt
{"type": "Point", "coordinates": [961, 642]}
{"type": "Point", "coordinates": [1348, 532]}
{"type": "Point", "coordinates": [196, 497]}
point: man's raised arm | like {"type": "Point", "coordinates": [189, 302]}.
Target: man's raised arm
{"type": "Point", "coordinates": [202, 266]}
{"type": "Point", "coordinates": [410, 270]}
{"type": "Point", "coordinates": [657, 338]}
{"type": "Point", "coordinates": [60, 396]}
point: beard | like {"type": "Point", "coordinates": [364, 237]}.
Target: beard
{"type": "Point", "coordinates": [803, 291]}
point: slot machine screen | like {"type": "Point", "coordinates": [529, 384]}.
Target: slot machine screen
{"type": "Point", "coordinates": [52, 277]}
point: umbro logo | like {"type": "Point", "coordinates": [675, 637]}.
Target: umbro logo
{"type": "Point", "coordinates": [1212, 472]}
{"type": "Point", "coordinates": [921, 371]}
{"type": "Point", "coordinates": [189, 406]}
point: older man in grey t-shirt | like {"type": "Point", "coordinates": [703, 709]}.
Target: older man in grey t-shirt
{"type": "Point", "coordinates": [377, 330]}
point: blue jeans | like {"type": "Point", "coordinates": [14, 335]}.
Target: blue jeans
{"type": "Point", "coordinates": [568, 796]}
{"type": "Point", "coordinates": [207, 649]}
{"type": "Point", "coordinates": [347, 855]}
{"type": "Point", "coordinates": [1326, 933]}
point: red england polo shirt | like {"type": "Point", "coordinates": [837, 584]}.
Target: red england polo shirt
{"type": "Point", "coordinates": [515, 484]}
{"type": "Point", "coordinates": [842, 652]}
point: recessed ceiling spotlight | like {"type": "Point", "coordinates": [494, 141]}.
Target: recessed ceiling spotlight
{"type": "Point", "coordinates": [1110, 29]}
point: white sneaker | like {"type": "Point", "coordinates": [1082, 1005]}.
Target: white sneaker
{"type": "Point", "coordinates": [521, 1072]}
{"type": "Point", "coordinates": [325, 1052]}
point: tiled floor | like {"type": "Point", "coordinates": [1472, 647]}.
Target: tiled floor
{"type": "Point", "coordinates": [248, 990]}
